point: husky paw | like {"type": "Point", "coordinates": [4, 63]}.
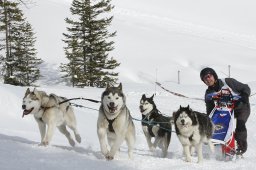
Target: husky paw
{"type": "Point", "coordinates": [200, 161]}
{"type": "Point", "coordinates": [44, 143]}
{"type": "Point", "coordinates": [109, 157]}
{"type": "Point", "coordinates": [40, 144]}
{"type": "Point", "coordinates": [188, 160]}
{"type": "Point", "coordinates": [164, 154]}
{"type": "Point", "coordinates": [72, 142]}
{"type": "Point", "coordinates": [78, 138]}
{"type": "Point", "coordinates": [130, 153]}
{"type": "Point", "coordinates": [152, 148]}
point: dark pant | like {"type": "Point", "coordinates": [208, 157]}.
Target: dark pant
{"type": "Point", "coordinates": [242, 115]}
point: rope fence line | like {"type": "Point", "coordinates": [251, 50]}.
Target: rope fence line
{"type": "Point", "coordinates": [177, 94]}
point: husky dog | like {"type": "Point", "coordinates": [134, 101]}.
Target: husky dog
{"type": "Point", "coordinates": [114, 122]}
{"type": "Point", "coordinates": [193, 128]}
{"type": "Point", "coordinates": [49, 113]}
{"type": "Point", "coordinates": [155, 125]}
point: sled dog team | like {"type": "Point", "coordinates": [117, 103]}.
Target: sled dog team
{"type": "Point", "coordinates": [115, 124]}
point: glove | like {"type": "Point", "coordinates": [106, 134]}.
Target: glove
{"type": "Point", "coordinates": [211, 96]}
{"type": "Point", "coordinates": [244, 98]}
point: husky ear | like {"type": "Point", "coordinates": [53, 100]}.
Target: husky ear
{"type": "Point", "coordinates": [35, 90]}
{"type": "Point", "coordinates": [189, 108]}
{"type": "Point", "coordinates": [180, 107]}
{"type": "Point", "coordinates": [27, 91]}
{"type": "Point", "coordinates": [120, 86]}
{"type": "Point", "coordinates": [151, 98]}
{"type": "Point", "coordinates": [174, 114]}
{"type": "Point", "coordinates": [143, 96]}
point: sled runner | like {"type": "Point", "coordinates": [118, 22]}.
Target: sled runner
{"type": "Point", "coordinates": [223, 119]}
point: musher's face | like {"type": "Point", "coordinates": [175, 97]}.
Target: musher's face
{"type": "Point", "coordinates": [209, 80]}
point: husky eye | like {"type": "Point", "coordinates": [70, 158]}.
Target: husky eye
{"type": "Point", "coordinates": [108, 97]}
{"type": "Point", "coordinates": [117, 98]}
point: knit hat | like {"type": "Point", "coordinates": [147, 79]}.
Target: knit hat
{"type": "Point", "coordinates": [206, 71]}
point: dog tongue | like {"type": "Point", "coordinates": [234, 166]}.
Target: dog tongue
{"type": "Point", "coordinates": [26, 112]}
{"type": "Point", "coordinates": [113, 109]}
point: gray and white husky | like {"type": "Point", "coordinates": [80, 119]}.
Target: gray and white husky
{"type": "Point", "coordinates": [193, 129]}
{"type": "Point", "coordinates": [49, 114]}
{"type": "Point", "coordinates": [115, 123]}
{"type": "Point", "coordinates": [155, 125]}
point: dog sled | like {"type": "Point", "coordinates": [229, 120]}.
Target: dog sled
{"type": "Point", "coordinates": [223, 119]}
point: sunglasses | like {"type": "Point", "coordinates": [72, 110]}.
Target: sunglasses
{"type": "Point", "coordinates": [207, 76]}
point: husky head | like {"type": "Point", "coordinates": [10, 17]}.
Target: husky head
{"type": "Point", "coordinates": [184, 117]}
{"type": "Point", "coordinates": [113, 99]}
{"type": "Point", "coordinates": [147, 104]}
{"type": "Point", "coordinates": [33, 101]}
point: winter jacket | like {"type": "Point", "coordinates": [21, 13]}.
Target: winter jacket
{"type": "Point", "coordinates": [239, 88]}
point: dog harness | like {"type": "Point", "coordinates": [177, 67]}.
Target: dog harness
{"type": "Point", "coordinates": [149, 126]}
{"type": "Point", "coordinates": [110, 122]}
{"type": "Point", "coordinates": [146, 122]}
{"type": "Point", "coordinates": [110, 125]}
{"type": "Point", "coordinates": [43, 110]}
{"type": "Point", "coordinates": [191, 137]}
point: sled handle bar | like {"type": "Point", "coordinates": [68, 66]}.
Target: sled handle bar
{"type": "Point", "coordinates": [218, 96]}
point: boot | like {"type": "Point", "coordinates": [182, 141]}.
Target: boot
{"type": "Point", "coordinates": [241, 139]}
{"type": "Point", "coordinates": [241, 147]}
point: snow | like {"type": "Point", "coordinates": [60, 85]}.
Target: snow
{"type": "Point", "coordinates": [19, 137]}
{"type": "Point", "coordinates": [154, 40]}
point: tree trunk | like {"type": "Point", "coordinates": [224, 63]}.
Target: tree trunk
{"type": "Point", "coordinates": [7, 39]}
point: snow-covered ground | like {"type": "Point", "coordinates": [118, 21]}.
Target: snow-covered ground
{"type": "Point", "coordinates": [19, 137]}
{"type": "Point", "coordinates": [155, 39]}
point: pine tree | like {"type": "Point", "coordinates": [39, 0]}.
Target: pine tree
{"type": "Point", "coordinates": [10, 16]}
{"type": "Point", "coordinates": [26, 71]}
{"type": "Point", "coordinates": [88, 44]}
{"type": "Point", "coordinates": [19, 64]}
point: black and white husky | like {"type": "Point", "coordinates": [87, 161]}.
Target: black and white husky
{"type": "Point", "coordinates": [115, 123]}
{"type": "Point", "coordinates": [193, 129]}
{"type": "Point", "coordinates": [155, 125]}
